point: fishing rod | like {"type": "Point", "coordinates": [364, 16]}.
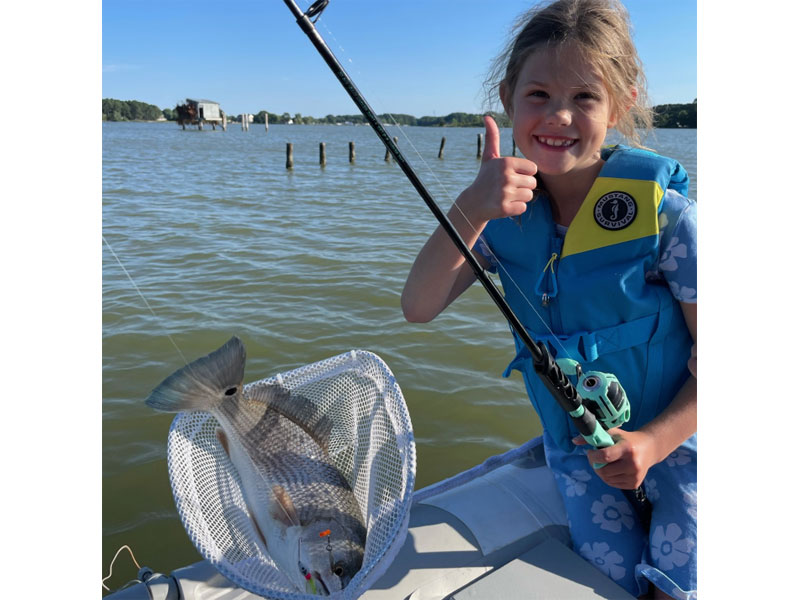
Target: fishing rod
{"type": "Point", "coordinates": [551, 374]}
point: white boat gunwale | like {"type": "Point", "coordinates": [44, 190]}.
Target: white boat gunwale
{"type": "Point", "coordinates": [498, 528]}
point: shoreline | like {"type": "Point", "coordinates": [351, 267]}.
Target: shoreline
{"type": "Point", "coordinates": [343, 125]}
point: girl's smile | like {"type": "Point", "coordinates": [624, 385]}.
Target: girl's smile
{"type": "Point", "coordinates": [560, 111]}
{"type": "Point", "coordinates": [555, 143]}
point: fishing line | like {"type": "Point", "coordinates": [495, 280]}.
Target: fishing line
{"type": "Point", "coordinates": [187, 363]}
{"type": "Point", "coordinates": [549, 372]}
{"type": "Point", "coordinates": [141, 295]}
{"type": "Point", "coordinates": [111, 567]}
{"type": "Point", "coordinates": [319, 21]}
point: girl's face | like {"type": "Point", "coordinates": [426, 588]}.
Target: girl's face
{"type": "Point", "coordinates": [560, 111]}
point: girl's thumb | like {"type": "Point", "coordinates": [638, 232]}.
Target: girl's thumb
{"type": "Point", "coordinates": [492, 148]}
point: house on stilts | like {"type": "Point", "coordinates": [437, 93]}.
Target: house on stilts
{"type": "Point", "coordinates": [200, 112]}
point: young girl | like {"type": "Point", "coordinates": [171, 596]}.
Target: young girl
{"type": "Point", "coordinates": [596, 251]}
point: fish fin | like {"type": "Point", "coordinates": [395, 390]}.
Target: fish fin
{"type": "Point", "coordinates": [203, 383]}
{"type": "Point", "coordinates": [283, 510]}
{"type": "Point", "coordinates": [219, 432]}
{"type": "Point", "coordinates": [298, 409]}
{"type": "Point", "coordinates": [259, 532]}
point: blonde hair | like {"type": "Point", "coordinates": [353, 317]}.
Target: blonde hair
{"type": "Point", "coordinates": [600, 30]}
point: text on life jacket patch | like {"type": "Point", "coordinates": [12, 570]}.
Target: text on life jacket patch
{"type": "Point", "coordinates": [615, 210]}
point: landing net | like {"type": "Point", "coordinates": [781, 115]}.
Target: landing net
{"type": "Point", "coordinates": [372, 444]}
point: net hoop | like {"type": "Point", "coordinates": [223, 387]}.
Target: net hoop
{"type": "Point", "coordinates": [372, 445]}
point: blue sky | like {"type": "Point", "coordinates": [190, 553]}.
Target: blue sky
{"type": "Point", "coordinates": [412, 56]}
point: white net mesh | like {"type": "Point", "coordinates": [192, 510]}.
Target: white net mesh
{"type": "Point", "coordinates": [372, 444]}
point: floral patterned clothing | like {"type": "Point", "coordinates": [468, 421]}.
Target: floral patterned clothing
{"type": "Point", "coordinates": [604, 527]}
{"type": "Point", "coordinates": [678, 262]}
{"type": "Point", "coordinates": [606, 531]}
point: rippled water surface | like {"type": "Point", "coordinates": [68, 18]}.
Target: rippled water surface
{"type": "Point", "coordinates": [221, 239]}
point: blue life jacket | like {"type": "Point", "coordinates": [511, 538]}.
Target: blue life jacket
{"type": "Point", "coordinates": [592, 293]}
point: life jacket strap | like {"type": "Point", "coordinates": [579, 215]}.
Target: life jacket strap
{"type": "Point", "coordinates": [587, 347]}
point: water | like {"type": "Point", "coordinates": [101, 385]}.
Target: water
{"type": "Point", "coordinates": [221, 239]}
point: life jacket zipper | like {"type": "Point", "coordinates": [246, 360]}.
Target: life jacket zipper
{"type": "Point", "coordinates": [547, 285]}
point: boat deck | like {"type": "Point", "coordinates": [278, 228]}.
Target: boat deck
{"type": "Point", "coordinates": [496, 531]}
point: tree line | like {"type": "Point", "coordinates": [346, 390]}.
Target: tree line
{"type": "Point", "coordinates": [675, 115]}
{"type": "Point", "coordinates": [129, 110]}
{"type": "Point", "coordinates": [664, 116]}
{"type": "Point", "coordinates": [133, 110]}
{"type": "Point", "coordinates": [457, 119]}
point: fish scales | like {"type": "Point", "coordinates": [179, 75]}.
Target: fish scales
{"type": "Point", "coordinates": [278, 441]}
{"type": "Point", "coordinates": [297, 462]}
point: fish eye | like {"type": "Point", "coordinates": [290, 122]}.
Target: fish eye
{"type": "Point", "coordinates": [338, 570]}
{"type": "Point", "coordinates": [231, 391]}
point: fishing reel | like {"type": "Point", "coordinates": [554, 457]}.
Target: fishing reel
{"type": "Point", "coordinates": [602, 393]}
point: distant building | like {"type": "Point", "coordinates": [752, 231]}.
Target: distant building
{"type": "Point", "coordinates": [198, 112]}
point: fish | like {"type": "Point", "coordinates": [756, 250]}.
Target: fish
{"type": "Point", "coordinates": [303, 508]}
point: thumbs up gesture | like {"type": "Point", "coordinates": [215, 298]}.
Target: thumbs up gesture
{"type": "Point", "coordinates": [504, 185]}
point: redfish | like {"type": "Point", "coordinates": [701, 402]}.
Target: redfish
{"type": "Point", "coordinates": [302, 505]}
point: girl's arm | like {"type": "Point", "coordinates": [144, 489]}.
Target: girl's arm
{"type": "Point", "coordinates": [440, 273]}
{"type": "Point", "coordinates": [636, 451]}
{"type": "Point", "coordinates": [502, 188]}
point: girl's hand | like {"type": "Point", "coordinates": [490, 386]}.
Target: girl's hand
{"type": "Point", "coordinates": [627, 461]}
{"type": "Point", "coordinates": [504, 185]}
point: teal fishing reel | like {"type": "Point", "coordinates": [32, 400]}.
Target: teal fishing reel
{"type": "Point", "coordinates": [603, 396]}
{"type": "Point", "coordinates": [603, 391]}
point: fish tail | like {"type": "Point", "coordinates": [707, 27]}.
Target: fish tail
{"type": "Point", "coordinates": [203, 383]}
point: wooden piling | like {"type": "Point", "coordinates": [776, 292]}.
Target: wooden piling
{"type": "Point", "coordinates": [441, 147]}
{"type": "Point", "coordinates": [244, 127]}
{"type": "Point", "coordinates": [224, 122]}
{"type": "Point", "coordinates": [388, 157]}
{"type": "Point", "coordinates": [266, 122]}
{"type": "Point", "coordinates": [352, 152]}
{"type": "Point", "coordinates": [322, 158]}
{"type": "Point", "coordinates": [480, 145]}
{"type": "Point", "coordinates": [289, 156]}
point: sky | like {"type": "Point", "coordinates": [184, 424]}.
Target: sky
{"type": "Point", "coordinates": [418, 57]}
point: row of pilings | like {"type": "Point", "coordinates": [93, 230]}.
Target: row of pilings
{"type": "Point", "coordinates": [323, 155]}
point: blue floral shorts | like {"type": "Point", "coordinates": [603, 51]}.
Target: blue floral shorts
{"type": "Point", "coordinates": [606, 531]}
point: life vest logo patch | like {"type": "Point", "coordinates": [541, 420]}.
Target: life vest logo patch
{"type": "Point", "coordinates": [615, 210]}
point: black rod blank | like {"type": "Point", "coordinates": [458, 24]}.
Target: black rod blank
{"type": "Point", "coordinates": [548, 371]}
